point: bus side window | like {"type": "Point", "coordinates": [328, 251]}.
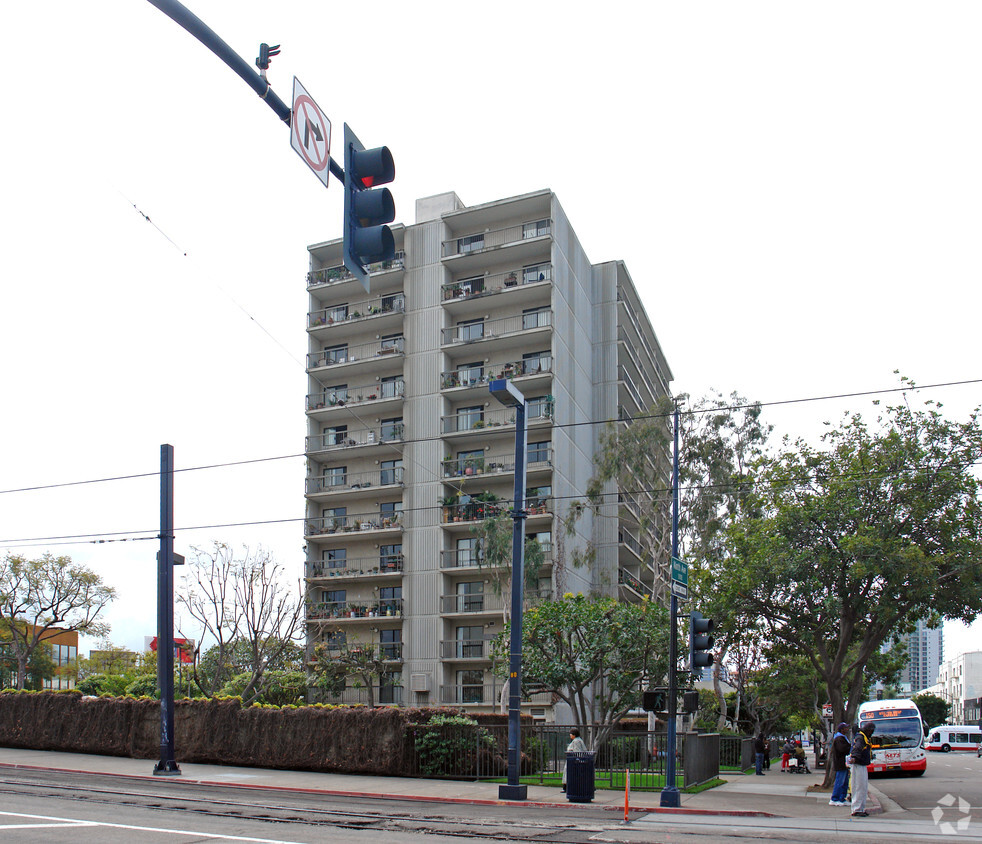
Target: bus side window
{"type": "Point", "coordinates": [935, 737]}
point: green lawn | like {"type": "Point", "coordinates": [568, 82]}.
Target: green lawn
{"type": "Point", "coordinates": [614, 781]}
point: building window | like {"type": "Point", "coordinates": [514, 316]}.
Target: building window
{"type": "Point", "coordinates": [470, 642]}
{"type": "Point", "coordinates": [470, 373]}
{"type": "Point", "coordinates": [339, 313]}
{"type": "Point", "coordinates": [471, 329]}
{"type": "Point", "coordinates": [393, 302]}
{"type": "Point", "coordinates": [390, 644]}
{"type": "Point", "coordinates": [335, 435]}
{"type": "Point", "coordinates": [336, 558]}
{"type": "Point", "coordinates": [336, 476]}
{"type": "Point", "coordinates": [468, 551]}
{"type": "Point", "coordinates": [539, 407]}
{"type": "Point", "coordinates": [393, 341]}
{"type": "Point", "coordinates": [390, 687]}
{"type": "Point", "coordinates": [390, 599]}
{"type": "Point", "coordinates": [389, 557]}
{"type": "Point", "coordinates": [391, 510]}
{"type": "Point", "coordinates": [391, 429]}
{"type": "Point", "coordinates": [536, 318]}
{"type": "Point", "coordinates": [392, 386]}
{"type": "Point", "coordinates": [536, 229]}
{"type": "Point", "coordinates": [533, 362]}
{"type": "Point", "coordinates": [334, 596]}
{"type": "Point", "coordinates": [471, 243]}
{"type": "Point", "coordinates": [470, 596]}
{"type": "Point", "coordinates": [335, 354]}
{"type": "Point", "coordinates": [335, 518]}
{"type": "Point", "coordinates": [470, 417]}
{"type": "Point", "coordinates": [539, 272]}
{"type": "Point", "coordinates": [470, 686]}
{"type": "Point", "coordinates": [538, 452]}
{"type": "Point", "coordinates": [338, 394]}
{"type": "Point", "coordinates": [390, 472]}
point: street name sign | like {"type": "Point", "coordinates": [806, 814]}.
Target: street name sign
{"type": "Point", "coordinates": [310, 132]}
{"type": "Point", "coordinates": [680, 578]}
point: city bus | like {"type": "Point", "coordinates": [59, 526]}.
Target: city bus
{"type": "Point", "coordinates": [954, 737]}
{"type": "Point", "coordinates": [898, 741]}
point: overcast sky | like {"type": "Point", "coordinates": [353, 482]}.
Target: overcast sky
{"type": "Point", "coordinates": [794, 188]}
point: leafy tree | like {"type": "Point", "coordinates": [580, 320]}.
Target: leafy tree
{"type": "Point", "coordinates": [242, 605]}
{"type": "Point", "coordinates": [845, 546]}
{"type": "Point", "coordinates": [934, 710]}
{"type": "Point", "coordinates": [340, 662]}
{"type": "Point", "coordinates": [595, 654]}
{"type": "Point", "coordinates": [39, 598]}
{"type": "Point", "coordinates": [279, 688]}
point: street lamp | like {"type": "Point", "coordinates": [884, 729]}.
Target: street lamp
{"type": "Point", "coordinates": [510, 396]}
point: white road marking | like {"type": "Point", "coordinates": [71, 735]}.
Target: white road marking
{"type": "Point", "coordinates": [65, 822]}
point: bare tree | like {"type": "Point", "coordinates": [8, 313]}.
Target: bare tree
{"type": "Point", "coordinates": [244, 606]}
{"type": "Point", "coordinates": [41, 598]}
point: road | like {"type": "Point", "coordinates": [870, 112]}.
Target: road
{"type": "Point", "coordinates": [958, 774]}
{"type": "Point", "coordinates": [37, 807]}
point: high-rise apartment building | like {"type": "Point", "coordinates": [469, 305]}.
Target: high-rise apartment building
{"type": "Point", "coordinates": [408, 453]}
{"type": "Point", "coordinates": [925, 654]}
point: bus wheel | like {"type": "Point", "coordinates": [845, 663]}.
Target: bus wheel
{"type": "Point", "coordinates": [945, 748]}
{"type": "Point", "coordinates": [917, 773]}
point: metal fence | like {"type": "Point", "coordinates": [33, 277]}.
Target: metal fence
{"type": "Point", "coordinates": [481, 752]}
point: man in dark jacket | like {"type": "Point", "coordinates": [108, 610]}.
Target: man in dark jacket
{"type": "Point", "coordinates": [838, 750]}
{"type": "Point", "coordinates": [862, 756]}
{"type": "Point", "coordinates": [760, 748]}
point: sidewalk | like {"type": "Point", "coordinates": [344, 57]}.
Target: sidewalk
{"type": "Point", "coordinates": [773, 794]}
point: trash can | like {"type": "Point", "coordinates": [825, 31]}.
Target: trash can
{"type": "Point", "coordinates": [580, 785]}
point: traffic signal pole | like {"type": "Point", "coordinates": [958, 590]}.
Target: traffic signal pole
{"type": "Point", "coordinates": [670, 797]}
{"type": "Point", "coordinates": [185, 18]}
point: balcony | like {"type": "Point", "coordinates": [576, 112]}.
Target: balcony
{"type": "Point", "coordinates": [468, 558]}
{"type": "Point", "coordinates": [359, 567]}
{"type": "Point", "coordinates": [382, 695]}
{"type": "Point", "coordinates": [383, 312]}
{"type": "Point", "coordinates": [480, 508]}
{"type": "Point", "coordinates": [473, 604]}
{"type": "Point", "coordinates": [483, 468]}
{"type": "Point", "coordinates": [531, 373]}
{"type": "Point", "coordinates": [518, 244]}
{"type": "Point", "coordinates": [365, 525]}
{"type": "Point", "coordinates": [487, 420]}
{"type": "Point", "coordinates": [627, 540]}
{"type": "Point", "coordinates": [523, 329]}
{"type": "Point", "coordinates": [386, 651]}
{"type": "Point", "coordinates": [465, 649]}
{"type": "Point", "coordinates": [340, 275]}
{"type": "Point", "coordinates": [486, 694]}
{"type": "Point", "coordinates": [377, 392]}
{"type": "Point", "coordinates": [355, 484]}
{"type": "Point", "coordinates": [625, 578]}
{"type": "Point", "coordinates": [369, 439]}
{"type": "Point", "coordinates": [355, 609]}
{"type": "Point", "coordinates": [465, 289]}
{"type": "Point", "coordinates": [382, 356]}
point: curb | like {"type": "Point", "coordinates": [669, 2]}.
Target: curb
{"type": "Point", "coordinates": [418, 798]}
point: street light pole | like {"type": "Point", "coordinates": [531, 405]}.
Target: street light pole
{"type": "Point", "coordinates": [508, 394]}
{"type": "Point", "coordinates": [670, 797]}
{"type": "Point", "coordinates": [167, 766]}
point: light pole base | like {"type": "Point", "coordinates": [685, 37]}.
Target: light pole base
{"type": "Point", "coordinates": [166, 769]}
{"type": "Point", "coordinates": [513, 792]}
{"type": "Point", "coordinates": [670, 798]}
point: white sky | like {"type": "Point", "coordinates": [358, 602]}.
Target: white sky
{"type": "Point", "coordinates": [793, 186]}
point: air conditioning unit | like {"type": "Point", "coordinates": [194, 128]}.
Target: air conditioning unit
{"type": "Point", "coordinates": [419, 683]}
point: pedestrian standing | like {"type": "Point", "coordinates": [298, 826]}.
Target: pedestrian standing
{"type": "Point", "coordinates": [838, 751]}
{"type": "Point", "coordinates": [862, 757]}
{"type": "Point", "coordinates": [760, 746]}
{"type": "Point", "coordinates": [786, 752]}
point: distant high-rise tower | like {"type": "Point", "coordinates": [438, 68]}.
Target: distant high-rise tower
{"type": "Point", "coordinates": [925, 652]}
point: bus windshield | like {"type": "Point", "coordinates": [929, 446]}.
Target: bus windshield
{"type": "Point", "coordinates": [897, 732]}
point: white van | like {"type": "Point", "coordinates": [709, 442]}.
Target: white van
{"type": "Point", "coordinates": [954, 737]}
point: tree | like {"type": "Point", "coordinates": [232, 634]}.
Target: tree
{"type": "Point", "coordinates": [934, 710]}
{"type": "Point", "coordinates": [39, 598]}
{"type": "Point", "coordinates": [242, 604]}
{"type": "Point", "coordinates": [595, 654]}
{"type": "Point", "coordinates": [846, 546]}
{"type": "Point", "coordinates": [337, 659]}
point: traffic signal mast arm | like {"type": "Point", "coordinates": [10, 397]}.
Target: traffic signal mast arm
{"type": "Point", "coordinates": [185, 18]}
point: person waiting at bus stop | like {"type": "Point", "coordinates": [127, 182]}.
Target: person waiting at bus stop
{"type": "Point", "coordinates": [861, 756]}
{"type": "Point", "coordinates": [838, 751]}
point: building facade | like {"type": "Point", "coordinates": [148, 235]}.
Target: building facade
{"type": "Point", "coordinates": [408, 455]}
{"type": "Point", "coordinates": [925, 653]}
{"type": "Point", "coordinates": [960, 683]}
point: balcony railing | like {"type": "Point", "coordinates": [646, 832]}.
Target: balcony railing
{"type": "Point", "coordinates": [473, 376]}
{"type": "Point", "coordinates": [474, 558]}
{"type": "Point", "coordinates": [469, 420]}
{"type": "Point", "coordinates": [333, 275]}
{"type": "Point", "coordinates": [347, 439]}
{"type": "Point", "coordinates": [492, 328]}
{"type": "Point", "coordinates": [465, 649]}
{"type": "Point", "coordinates": [475, 510]}
{"type": "Point", "coordinates": [342, 355]}
{"type": "Point", "coordinates": [330, 525]}
{"type": "Point", "coordinates": [339, 397]}
{"type": "Point", "coordinates": [481, 602]}
{"type": "Point", "coordinates": [386, 651]}
{"type": "Point", "coordinates": [381, 694]}
{"type": "Point", "coordinates": [466, 244]}
{"type": "Point", "coordinates": [628, 579]}
{"type": "Point", "coordinates": [485, 694]}
{"type": "Point", "coordinates": [347, 481]}
{"type": "Point", "coordinates": [630, 541]}
{"type": "Point", "coordinates": [385, 564]}
{"type": "Point", "coordinates": [355, 608]}
{"type": "Point", "coordinates": [457, 467]}
{"type": "Point", "coordinates": [394, 303]}
{"type": "Point", "coordinates": [466, 288]}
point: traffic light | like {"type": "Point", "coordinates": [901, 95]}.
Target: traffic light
{"type": "Point", "coordinates": [654, 700]}
{"type": "Point", "coordinates": [690, 701]}
{"type": "Point", "coordinates": [265, 54]}
{"type": "Point", "coordinates": [700, 641]}
{"type": "Point", "coordinates": [367, 207]}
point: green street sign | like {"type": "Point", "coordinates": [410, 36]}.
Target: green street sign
{"type": "Point", "coordinates": [680, 571]}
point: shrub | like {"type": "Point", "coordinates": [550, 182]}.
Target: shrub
{"type": "Point", "coordinates": [449, 745]}
{"type": "Point", "coordinates": [144, 686]}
